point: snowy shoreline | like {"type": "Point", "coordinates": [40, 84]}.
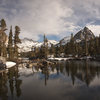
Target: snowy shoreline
{"type": "Point", "coordinates": [70, 58]}
{"type": "Point", "coordinates": [59, 59]}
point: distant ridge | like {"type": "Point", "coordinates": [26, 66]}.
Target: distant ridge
{"type": "Point", "coordinates": [27, 44]}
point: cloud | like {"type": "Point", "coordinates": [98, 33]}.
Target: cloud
{"type": "Point", "coordinates": [39, 17]}
{"type": "Point", "coordinates": [95, 29]}
{"type": "Point", "coordinates": [50, 17]}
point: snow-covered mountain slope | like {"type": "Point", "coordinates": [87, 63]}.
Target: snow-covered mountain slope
{"type": "Point", "coordinates": [64, 41]}
{"type": "Point", "coordinates": [26, 44]}
{"type": "Point", "coordinates": [50, 42]}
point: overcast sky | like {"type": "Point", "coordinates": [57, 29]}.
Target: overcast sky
{"type": "Point", "coordinates": [55, 18]}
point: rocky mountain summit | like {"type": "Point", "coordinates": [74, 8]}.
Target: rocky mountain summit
{"type": "Point", "coordinates": [79, 36]}
{"type": "Point", "coordinates": [84, 33]}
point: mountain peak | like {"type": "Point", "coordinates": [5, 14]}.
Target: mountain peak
{"type": "Point", "coordinates": [86, 28]}
{"type": "Point", "coordinates": [81, 34]}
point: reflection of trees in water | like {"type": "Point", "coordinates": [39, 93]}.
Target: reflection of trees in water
{"type": "Point", "coordinates": [82, 70]}
{"type": "Point", "coordinates": [14, 81]}
{"type": "Point", "coordinates": [47, 69]}
{"type": "Point", "coordinates": [14, 84]}
{"type": "Point", "coordinates": [3, 87]}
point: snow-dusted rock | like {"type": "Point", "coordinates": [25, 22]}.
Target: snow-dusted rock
{"type": "Point", "coordinates": [65, 40]}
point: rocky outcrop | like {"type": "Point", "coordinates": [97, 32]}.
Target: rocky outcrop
{"type": "Point", "coordinates": [84, 33]}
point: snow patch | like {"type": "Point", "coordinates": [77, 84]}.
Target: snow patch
{"type": "Point", "coordinates": [59, 59]}
{"type": "Point", "coordinates": [10, 64]}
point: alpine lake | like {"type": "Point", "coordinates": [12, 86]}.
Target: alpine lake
{"type": "Point", "coordinates": [65, 80]}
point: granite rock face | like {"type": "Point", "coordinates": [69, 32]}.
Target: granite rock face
{"type": "Point", "coordinates": [84, 33]}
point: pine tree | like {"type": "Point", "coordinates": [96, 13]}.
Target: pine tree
{"type": "Point", "coordinates": [16, 41]}
{"type": "Point", "coordinates": [76, 49]}
{"type": "Point", "coordinates": [86, 46]}
{"type": "Point", "coordinates": [52, 49]}
{"type": "Point", "coordinates": [61, 48]}
{"type": "Point", "coordinates": [72, 45]}
{"type": "Point", "coordinates": [56, 51]}
{"type": "Point", "coordinates": [66, 49]}
{"type": "Point", "coordinates": [91, 47]}
{"type": "Point", "coordinates": [79, 49]}
{"type": "Point", "coordinates": [10, 44]}
{"type": "Point", "coordinates": [17, 32]}
{"type": "Point", "coordinates": [45, 47]}
{"type": "Point", "coordinates": [3, 38]}
{"type": "Point", "coordinates": [44, 39]}
{"type": "Point", "coordinates": [3, 24]}
{"type": "Point", "coordinates": [42, 52]}
{"type": "Point", "coordinates": [96, 45]}
{"type": "Point", "coordinates": [4, 50]}
{"type": "Point", "coordinates": [36, 52]}
{"type": "Point", "coordinates": [99, 44]}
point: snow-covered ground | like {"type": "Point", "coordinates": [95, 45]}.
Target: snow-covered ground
{"type": "Point", "coordinates": [59, 59]}
{"type": "Point", "coordinates": [69, 58]}
{"type": "Point", "coordinates": [86, 57]}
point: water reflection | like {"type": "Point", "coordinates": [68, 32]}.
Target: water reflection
{"type": "Point", "coordinates": [10, 82]}
{"type": "Point", "coordinates": [3, 88]}
{"type": "Point", "coordinates": [71, 77]}
{"type": "Point", "coordinates": [14, 81]}
{"type": "Point", "coordinates": [82, 70]}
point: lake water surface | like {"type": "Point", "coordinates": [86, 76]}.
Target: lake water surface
{"type": "Point", "coordinates": [71, 80]}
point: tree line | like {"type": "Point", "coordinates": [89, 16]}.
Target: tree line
{"type": "Point", "coordinates": [8, 44]}
{"type": "Point", "coordinates": [86, 47]}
